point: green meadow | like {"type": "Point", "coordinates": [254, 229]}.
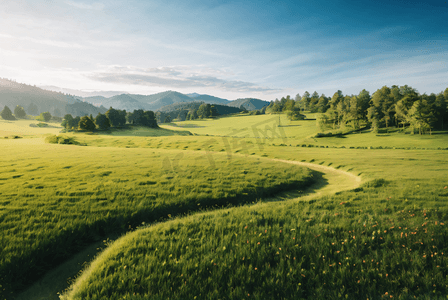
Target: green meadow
{"type": "Point", "coordinates": [386, 238]}
{"type": "Point", "coordinates": [56, 199]}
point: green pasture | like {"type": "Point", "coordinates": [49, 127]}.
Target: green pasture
{"type": "Point", "coordinates": [55, 199]}
{"type": "Point", "coordinates": [266, 127]}
{"type": "Point", "coordinates": [364, 244]}
{"type": "Point", "coordinates": [26, 128]}
{"type": "Point", "coordinates": [385, 238]}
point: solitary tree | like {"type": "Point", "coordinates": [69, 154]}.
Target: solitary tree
{"type": "Point", "coordinates": [7, 114]}
{"type": "Point", "coordinates": [19, 112]}
{"type": "Point", "coordinates": [86, 124]}
{"type": "Point", "coordinates": [45, 116]}
{"type": "Point", "coordinates": [114, 117]}
{"type": "Point", "coordinates": [102, 122]}
{"type": "Point", "coordinates": [295, 114]}
{"type": "Point", "coordinates": [68, 122]}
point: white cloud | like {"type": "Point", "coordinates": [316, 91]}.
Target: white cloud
{"type": "Point", "coordinates": [176, 77]}
{"type": "Point", "coordinates": [93, 6]}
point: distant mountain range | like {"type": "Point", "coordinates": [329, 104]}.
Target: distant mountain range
{"type": "Point", "coordinates": [209, 99]}
{"type": "Point", "coordinates": [77, 103]}
{"type": "Point", "coordinates": [158, 101]}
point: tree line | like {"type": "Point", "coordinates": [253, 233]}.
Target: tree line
{"type": "Point", "coordinates": [204, 111]}
{"type": "Point", "coordinates": [395, 106]}
{"type": "Point", "coordinates": [290, 106]}
{"type": "Point", "coordinates": [112, 118]}
{"type": "Point", "coordinates": [19, 113]}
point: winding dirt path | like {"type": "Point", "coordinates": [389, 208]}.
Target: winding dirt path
{"type": "Point", "coordinates": [328, 181]}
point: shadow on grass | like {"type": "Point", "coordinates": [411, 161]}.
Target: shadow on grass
{"type": "Point", "coordinates": [130, 130]}
{"type": "Point", "coordinates": [86, 240]}
{"type": "Point", "coordinates": [318, 183]}
{"type": "Point", "coordinates": [186, 125]}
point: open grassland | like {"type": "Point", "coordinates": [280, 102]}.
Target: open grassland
{"type": "Point", "coordinates": [385, 239]}
{"type": "Point", "coordinates": [381, 240]}
{"type": "Point", "coordinates": [298, 133]}
{"type": "Point", "coordinates": [55, 199]}
{"type": "Point", "coordinates": [26, 128]}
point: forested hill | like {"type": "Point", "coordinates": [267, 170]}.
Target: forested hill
{"type": "Point", "coordinates": [249, 103]}
{"type": "Point", "coordinates": [36, 100]}
{"type": "Point", "coordinates": [209, 99]}
{"type": "Point", "coordinates": [157, 102]}
{"type": "Point", "coordinates": [59, 104]}
{"type": "Point", "coordinates": [181, 111]}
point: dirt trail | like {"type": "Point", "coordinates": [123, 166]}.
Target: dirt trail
{"type": "Point", "coordinates": [329, 181]}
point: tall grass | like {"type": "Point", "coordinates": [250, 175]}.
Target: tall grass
{"type": "Point", "coordinates": [54, 199]}
{"type": "Point", "coordinates": [355, 245]}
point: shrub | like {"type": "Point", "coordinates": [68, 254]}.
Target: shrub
{"type": "Point", "coordinates": [45, 116]}
{"type": "Point", "coordinates": [54, 139]}
{"type": "Point", "coordinates": [376, 183]}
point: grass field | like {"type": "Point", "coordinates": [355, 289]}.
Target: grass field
{"type": "Point", "coordinates": [387, 238]}
{"type": "Point", "coordinates": [55, 199]}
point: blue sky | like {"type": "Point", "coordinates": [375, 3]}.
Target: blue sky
{"type": "Point", "coordinates": [229, 49]}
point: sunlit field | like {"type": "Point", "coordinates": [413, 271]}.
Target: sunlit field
{"type": "Point", "coordinates": [386, 238]}
{"type": "Point", "coordinates": [27, 128]}
{"type": "Point", "coordinates": [55, 199]}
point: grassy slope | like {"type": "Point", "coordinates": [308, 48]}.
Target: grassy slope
{"type": "Point", "coordinates": [56, 198]}
{"type": "Point", "coordinates": [386, 239]}
{"type": "Point", "coordinates": [22, 128]}
{"type": "Point", "coordinates": [303, 132]}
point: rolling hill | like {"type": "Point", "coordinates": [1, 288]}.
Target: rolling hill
{"type": "Point", "coordinates": [59, 103]}
{"type": "Point", "coordinates": [249, 103]}
{"type": "Point", "coordinates": [209, 99]}
{"type": "Point", "coordinates": [13, 93]}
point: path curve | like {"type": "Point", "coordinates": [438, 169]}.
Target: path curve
{"type": "Point", "coordinates": [330, 182]}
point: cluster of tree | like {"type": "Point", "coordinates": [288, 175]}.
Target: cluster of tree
{"type": "Point", "coordinates": [112, 118]}
{"type": "Point", "coordinates": [388, 107]}
{"type": "Point", "coordinates": [19, 113]}
{"type": "Point", "coordinates": [206, 110]}
{"type": "Point", "coordinates": [179, 111]}
{"type": "Point", "coordinates": [6, 114]}
{"type": "Point", "coordinates": [143, 118]}
{"type": "Point", "coordinates": [288, 105]}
